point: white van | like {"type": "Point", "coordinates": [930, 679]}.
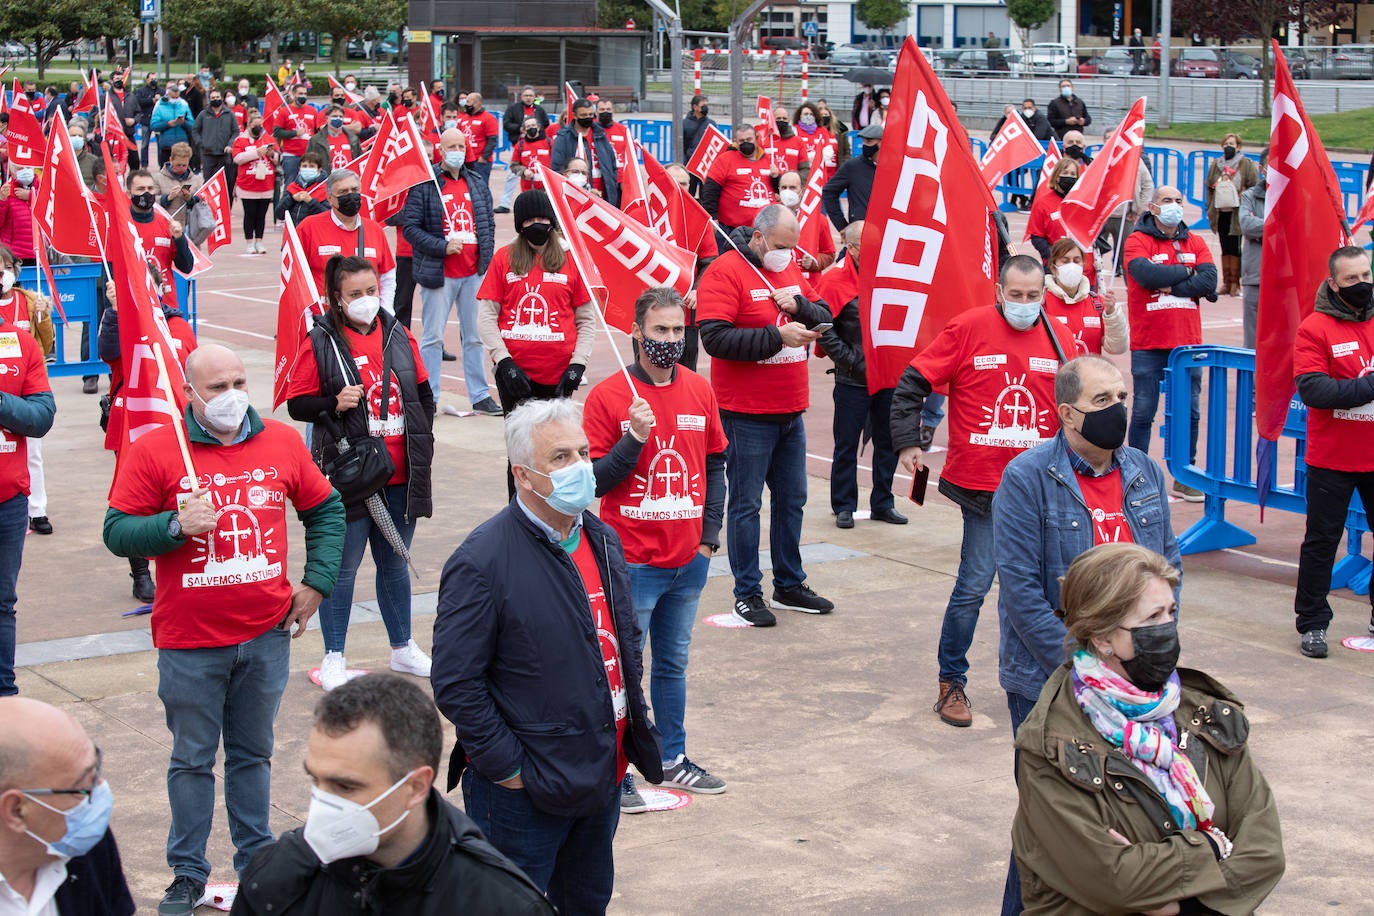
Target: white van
{"type": "Point", "coordinates": [1052, 58]}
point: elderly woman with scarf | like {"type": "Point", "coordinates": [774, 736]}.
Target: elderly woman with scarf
{"type": "Point", "coordinates": [1138, 793]}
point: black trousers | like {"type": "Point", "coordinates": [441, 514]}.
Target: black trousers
{"type": "Point", "coordinates": [1328, 501]}
{"type": "Point", "coordinates": [856, 409]}
{"type": "Point", "coordinates": [405, 289]}
{"type": "Point", "coordinates": [255, 217]}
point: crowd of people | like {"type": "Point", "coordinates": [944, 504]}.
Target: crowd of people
{"type": "Point", "coordinates": [545, 611]}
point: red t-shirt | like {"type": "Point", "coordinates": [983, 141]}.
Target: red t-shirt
{"type": "Point", "coordinates": [476, 129]}
{"type": "Point", "coordinates": [619, 135]}
{"type": "Point", "coordinates": [156, 236]}
{"type": "Point", "coordinates": [820, 149]}
{"type": "Point", "coordinates": [1083, 319]}
{"type": "Point", "coordinates": [340, 152]}
{"type": "Point", "coordinates": [367, 356]}
{"type": "Point", "coordinates": [732, 290]}
{"type": "Point", "coordinates": [259, 174]}
{"type": "Point", "coordinates": [604, 621]}
{"type": "Point", "coordinates": [658, 510]}
{"type": "Point", "coordinates": [1042, 222]}
{"type": "Point", "coordinates": [528, 152]}
{"type": "Point", "coordinates": [298, 117]}
{"type": "Point", "coordinates": [22, 373]}
{"type": "Point", "coordinates": [458, 219]}
{"type": "Point", "coordinates": [746, 187]}
{"type": "Point", "coordinates": [1343, 439]}
{"type": "Point", "coordinates": [15, 310]}
{"type": "Point", "coordinates": [1001, 391]}
{"type": "Point", "coordinates": [1103, 497]}
{"type": "Point", "coordinates": [789, 154]}
{"type": "Point", "coordinates": [1159, 321]}
{"type": "Point", "coordinates": [229, 585]}
{"type": "Point", "coordinates": [536, 318]}
{"type": "Point", "coordinates": [322, 237]}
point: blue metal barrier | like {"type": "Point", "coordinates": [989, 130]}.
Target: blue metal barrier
{"type": "Point", "coordinates": [77, 291]}
{"type": "Point", "coordinates": [1227, 471]}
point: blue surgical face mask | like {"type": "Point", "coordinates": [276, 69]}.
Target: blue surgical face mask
{"type": "Point", "coordinates": [86, 823]}
{"type": "Point", "coordinates": [574, 488]}
{"type": "Point", "coordinates": [308, 175]}
{"type": "Point", "coordinates": [1066, 91]}
{"type": "Point", "coordinates": [453, 159]}
{"type": "Point", "coordinates": [78, 143]}
{"type": "Point", "coordinates": [336, 122]}
{"type": "Point", "coordinates": [1021, 315]}
{"type": "Point", "coordinates": [1170, 215]}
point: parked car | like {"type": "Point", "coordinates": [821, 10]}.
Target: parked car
{"type": "Point", "coordinates": [14, 49]}
{"type": "Point", "coordinates": [1345, 63]}
{"type": "Point", "coordinates": [1237, 65]}
{"type": "Point", "coordinates": [1111, 62]}
{"type": "Point", "coordinates": [857, 56]}
{"type": "Point", "coordinates": [782, 43]}
{"type": "Point", "coordinates": [980, 62]}
{"type": "Point", "coordinates": [1299, 63]}
{"type": "Point", "coordinates": [381, 50]}
{"type": "Point", "coordinates": [1198, 63]}
{"type": "Point", "coordinates": [1053, 58]}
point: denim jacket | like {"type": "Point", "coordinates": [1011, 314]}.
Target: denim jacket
{"type": "Point", "coordinates": [1040, 524]}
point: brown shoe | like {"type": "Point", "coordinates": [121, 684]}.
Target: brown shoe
{"type": "Point", "coordinates": [953, 706]}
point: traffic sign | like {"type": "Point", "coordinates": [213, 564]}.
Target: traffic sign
{"type": "Point", "coordinates": [148, 10]}
{"type": "Point", "coordinates": [810, 28]}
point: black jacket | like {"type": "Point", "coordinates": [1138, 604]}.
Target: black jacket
{"type": "Point", "coordinates": [95, 883]}
{"type": "Point", "coordinates": [693, 129]}
{"type": "Point", "coordinates": [456, 870]}
{"type": "Point", "coordinates": [565, 148]}
{"type": "Point", "coordinates": [844, 344]}
{"type": "Point", "coordinates": [515, 116]}
{"type": "Point", "coordinates": [518, 667]}
{"type": "Point", "coordinates": [1060, 109]}
{"type": "Point", "coordinates": [417, 401]}
{"type": "Point", "coordinates": [856, 177]}
{"type": "Point", "coordinates": [1038, 125]}
{"type": "Point", "coordinates": [422, 224]}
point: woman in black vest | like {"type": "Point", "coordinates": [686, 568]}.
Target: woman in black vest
{"type": "Point", "coordinates": [338, 382]}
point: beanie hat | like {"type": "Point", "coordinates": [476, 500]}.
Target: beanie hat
{"type": "Point", "coordinates": [531, 204]}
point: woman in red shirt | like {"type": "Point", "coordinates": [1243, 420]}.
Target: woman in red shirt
{"type": "Point", "coordinates": [1042, 228]}
{"type": "Point", "coordinates": [256, 157]}
{"type": "Point", "coordinates": [1095, 322]}
{"type": "Point", "coordinates": [532, 147]}
{"type": "Point", "coordinates": [821, 146]}
{"type": "Point", "coordinates": [337, 382]}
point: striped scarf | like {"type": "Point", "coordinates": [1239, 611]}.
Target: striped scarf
{"type": "Point", "coordinates": [1142, 725]}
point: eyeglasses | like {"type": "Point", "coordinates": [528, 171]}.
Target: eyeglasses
{"type": "Point", "coordinates": [86, 793]}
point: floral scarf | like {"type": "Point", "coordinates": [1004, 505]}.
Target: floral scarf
{"type": "Point", "coordinates": [1142, 725]}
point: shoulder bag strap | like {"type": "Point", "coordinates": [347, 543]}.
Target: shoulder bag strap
{"type": "Point", "coordinates": [1054, 339]}
{"type": "Point", "coordinates": [386, 369]}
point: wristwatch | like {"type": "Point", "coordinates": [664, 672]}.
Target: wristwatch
{"type": "Point", "coordinates": [174, 527]}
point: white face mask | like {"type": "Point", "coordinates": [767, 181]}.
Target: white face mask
{"type": "Point", "coordinates": [790, 198]}
{"type": "Point", "coordinates": [776, 261]}
{"type": "Point", "coordinates": [336, 828]}
{"type": "Point", "coordinates": [363, 309]}
{"type": "Point", "coordinates": [225, 411]}
{"type": "Point", "coordinates": [6, 281]}
{"type": "Point", "coordinates": [578, 180]}
{"type": "Point", "coordinates": [1070, 275]}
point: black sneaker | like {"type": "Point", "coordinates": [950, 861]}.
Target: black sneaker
{"type": "Point", "coordinates": [181, 897]}
{"type": "Point", "coordinates": [631, 802]}
{"type": "Point", "coordinates": [500, 210]}
{"type": "Point", "coordinates": [449, 357]}
{"type": "Point", "coordinates": [39, 524]}
{"type": "Point", "coordinates": [1314, 644]}
{"type": "Point", "coordinates": [754, 612]}
{"type": "Point", "coordinates": [801, 598]}
{"type": "Point", "coordinates": [684, 774]}
{"type": "Point", "coordinates": [489, 407]}
{"type": "Point", "coordinates": [1371, 623]}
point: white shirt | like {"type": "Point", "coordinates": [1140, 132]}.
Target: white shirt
{"type": "Point", "coordinates": [50, 877]}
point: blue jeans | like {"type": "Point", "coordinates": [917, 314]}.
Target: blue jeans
{"type": "Point", "coordinates": [393, 576]}
{"type": "Point", "coordinates": [855, 409]}
{"type": "Point", "coordinates": [482, 168]}
{"type": "Point", "coordinates": [568, 858]}
{"type": "Point", "coordinates": [435, 306]}
{"type": "Point", "coordinates": [229, 691]}
{"type": "Point", "coordinates": [976, 569]}
{"type": "Point", "coordinates": [773, 453]}
{"type": "Point", "coordinates": [666, 602]}
{"type": "Point", "coordinates": [290, 169]}
{"type": "Point", "coordinates": [1147, 374]}
{"type": "Point", "coordinates": [14, 527]}
{"type": "Point", "coordinates": [1020, 708]}
{"type": "Point", "coordinates": [933, 410]}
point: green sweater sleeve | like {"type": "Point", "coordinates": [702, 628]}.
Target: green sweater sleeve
{"type": "Point", "coordinates": [324, 539]}
{"type": "Point", "coordinates": [139, 535]}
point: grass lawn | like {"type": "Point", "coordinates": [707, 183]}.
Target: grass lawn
{"type": "Point", "coordinates": [1349, 130]}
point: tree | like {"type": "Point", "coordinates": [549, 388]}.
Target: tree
{"type": "Point", "coordinates": [611, 14]}
{"type": "Point", "coordinates": [47, 27]}
{"type": "Point", "coordinates": [882, 15]}
{"type": "Point", "coordinates": [1029, 15]}
{"type": "Point", "coordinates": [223, 22]}
{"type": "Point", "coordinates": [343, 21]}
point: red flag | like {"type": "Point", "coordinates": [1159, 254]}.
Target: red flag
{"type": "Point", "coordinates": [62, 207]}
{"type": "Point", "coordinates": [1108, 182]}
{"type": "Point", "coordinates": [1012, 148]}
{"type": "Point", "coordinates": [90, 97]}
{"type": "Point", "coordinates": [24, 132]}
{"type": "Point", "coordinates": [712, 144]}
{"type": "Point", "coordinates": [619, 257]}
{"type": "Point", "coordinates": [199, 262]}
{"type": "Point", "coordinates": [764, 134]}
{"type": "Point", "coordinates": [296, 310]}
{"type": "Point", "coordinates": [46, 270]}
{"type": "Point", "coordinates": [812, 219]}
{"type": "Point", "coordinates": [272, 103]}
{"type": "Point", "coordinates": [113, 128]}
{"type": "Point", "coordinates": [1304, 221]}
{"type": "Point", "coordinates": [396, 162]}
{"type": "Point", "coordinates": [1366, 215]}
{"type": "Point", "coordinates": [1052, 155]}
{"type": "Point", "coordinates": [150, 400]}
{"type": "Point", "coordinates": [569, 97]}
{"type": "Point", "coordinates": [215, 193]}
{"type": "Point", "coordinates": [664, 207]}
{"type": "Point", "coordinates": [353, 97]}
{"type": "Point", "coordinates": [928, 238]}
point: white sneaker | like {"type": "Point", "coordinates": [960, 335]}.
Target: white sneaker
{"type": "Point", "coordinates": [333, 671]}
{"type": "Point", "coordinates": [259, 248]}
{"type": "Point", "coordinates": [410, 659]}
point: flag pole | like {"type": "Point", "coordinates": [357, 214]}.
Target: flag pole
{"type": "Point", "coordinates": [178, 422]}
{"type": "Point", "coordinates": [1120, 244]}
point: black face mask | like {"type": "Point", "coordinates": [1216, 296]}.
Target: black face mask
{"type": "Point", "coordinates": [586, 123]}
{"type": "Point", "coordinates": [705, 110]}
{"type": "Point", "coordinates": [606, 118]}
{"type": "Point", "coordinates": [785, 129]}
{"type": "Point", "coordinates": [1228, 150]}
{"type": "Point", "coordinates": [256, 132]}
{"type": "Point", "coordinates": [1359, 296]}
{"type": "Point", "coordinates": [216, 103]}
{"type": "Point", "coordinates": [340, 101]}
{"type": "Point", "coordinates": [537, 234]}
{"type": "Point", "coordinates": [532, 133]}
{"type": "Point", "coordinates": [469, 109]}
{"type": "Point", "coordinates": [408, 103]}
{"type": "Point", "coordinates": [1156, 656]}
{"type": "Point", "coordinates": [1105, 428]}
{"type": "Point", "coordinates": [153, 85]}
{"type": "Point", "coordinates": [300, 100]}
{"type": "Point", "coordinates": [747, 148]}
{"type": "Point", "coordinates": [1073, 152]}
{"type": "Point", "coordinates": [119, 84]}
{"type": "Point", "coordinates": [870, 151]}
{"type": "Point", "coordinates": [1066, 183]}
{"type": "Point", "coordinates": [143, 201]}
{"type": "Point", "coordinates": [350, 204]}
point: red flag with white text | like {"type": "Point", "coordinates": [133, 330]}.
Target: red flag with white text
{"type": "Point", "coordinates": [814, 223]}
{"type": "Point", "coordinates": [272, 103]}
{"type": "Point", "coordinates": [1012, 148]}
{"type": "Point", "coordinates": [353, 97]}
{"type": "Point", "coordinates": [396, 162]}
{"type": "Point", "coordinates": [712, 144]}
{"type": "Point", "coordinates": [654, 198]}
{"type": "Point", "coordinates": [928, 250]}
{"type": "Point", "coordinates": [215, 194]}
{"type": "Point", "coordinates": [1052, 155]}
{"type": "Point", "coordinates": [1108, 182]}
{"type": "Point", "coordinates": [297, 307]}
{"type": "Point", "coordinates": [65, 211]}
{"type": "Point", "coordinates": [622, 257]}
{"type": "Point", "coordinates": [24, 133]}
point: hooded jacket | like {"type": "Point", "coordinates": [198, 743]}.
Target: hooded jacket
{"type": "Point", "coordinates": [565, 147]}
{"type": "Point", "coordinates": [456, 870]}
{"type": "Point", "coordinates": [1074, 787]}
{"type": "Point", "coordinates": [1322, 391]}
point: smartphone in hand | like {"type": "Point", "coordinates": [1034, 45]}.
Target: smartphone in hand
{"type": "Point", "coordinates": [918, 484]}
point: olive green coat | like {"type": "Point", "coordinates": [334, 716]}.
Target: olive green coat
{"type": "Point", "coordinates": [1074, 787]}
